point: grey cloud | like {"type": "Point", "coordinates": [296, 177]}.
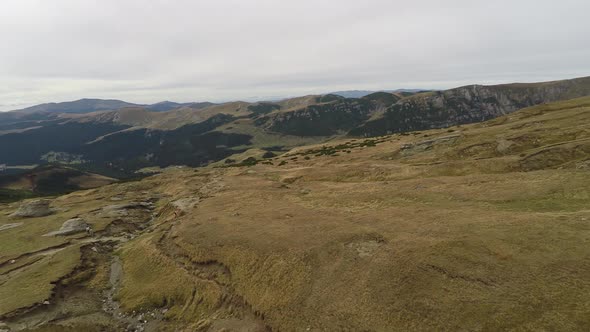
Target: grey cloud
{"type": "Point", "coordinates": [146, 51]}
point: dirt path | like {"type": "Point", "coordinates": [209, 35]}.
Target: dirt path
{"type": "Point", "coordinates": [145, 321]}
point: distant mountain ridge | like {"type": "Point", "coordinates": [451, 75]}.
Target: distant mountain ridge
{"type": "Point", "coordinates": [362, 93]}
{"type": "Point", "coordinates": [165, 106]}
{"type": "Point", "coordinates": [85, 105]}
{"type": "Point", "coordinates": [169, 133]}
{"type": "Point", "coordinates": [89, 105]}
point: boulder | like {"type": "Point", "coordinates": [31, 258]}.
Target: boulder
{"type": "Point", "coordinates": [72, 226]}
{"type": "Point", "coordinates": [32, 209]}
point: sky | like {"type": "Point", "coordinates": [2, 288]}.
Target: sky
{"type": "Point", "coordinates": [145, 51]}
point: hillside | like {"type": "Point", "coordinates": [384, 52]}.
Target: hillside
{"type": "Point", "coordinates": [475, 227]}
{"type": "Point", "coordinates": [48, 180]}
{"type": "Point", "coordinates": [330, 115]}
{"type": "Point", "coordinates": [474, 103]}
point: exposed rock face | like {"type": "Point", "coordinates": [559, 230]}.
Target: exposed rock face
{"type": "Point", "coordinates": [185, 204]}
{"type": "Point", "coordinates": [121, 210]}
{"type": "Point", "coordinates": [333, 117]}
{"type": "Point", "coordinates": [474, 103]}
{"type": "Point", "coordinates": [72, 226]}
{"type": "Point", "coordinates": [411, 148]}
{"type": "Point", "coordinates": [33, 209]}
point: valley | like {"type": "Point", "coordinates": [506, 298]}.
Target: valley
{"type": "Point", "coordinates": [115, 138]}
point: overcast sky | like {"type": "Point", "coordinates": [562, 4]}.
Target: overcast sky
{"type": "Point", "coordinates": [146, 51]}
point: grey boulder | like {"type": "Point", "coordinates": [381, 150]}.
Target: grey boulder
{"type": "Point", "coordinates": [72, 226]}
{"type": "Point", "coordinates": [32, 209]}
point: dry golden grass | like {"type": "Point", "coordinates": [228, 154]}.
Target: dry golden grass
{"type": "Point", "coordinates": [487, 230]}
{"type": "Point", "coordinates": [163, 283]}
{"type": "Point", "coordinates": [451, 237]}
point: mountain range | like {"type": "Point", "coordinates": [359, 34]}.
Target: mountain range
{"type": "Point", "coordinates": [114, 137]}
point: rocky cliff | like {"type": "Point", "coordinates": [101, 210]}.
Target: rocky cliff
{"type": "Point", "coordinates": [468, 104]}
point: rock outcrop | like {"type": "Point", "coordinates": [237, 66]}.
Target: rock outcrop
{"type": "Point", "coordinates": [118, 210]}
{"type": "Point", "coordinates": [33, 209]}
{"type": "Point", "coordinates": [69, 227]}
{"type": "Point", "coordinates": [336, 116]}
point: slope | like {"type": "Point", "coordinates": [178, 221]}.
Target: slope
{"type": "Point", "coordinates": [478, 227]}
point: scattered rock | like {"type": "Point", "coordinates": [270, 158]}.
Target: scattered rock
{"type": "Point", "coordinates": [46, 302]}
{"type": "Point", "coordinates": [503, 146]}
{"type": "Point", "coordinates": [32, 209]}
{"type": "Point", "coordinates": [12, 261]}
{"type": "Point", "coordinates": [9, 226]}
{"type": "Point", "coordinates": [410, 148]}
{"type": "Point", "coordinates": [185, 204]}
{"type": "Point", "coordinates": [72, 226]}
{"type": "Point", "coordinates": [583, 165]}
{"type": "Point", "coordinates": [366, 247]}
{"type": "Point", "coordinates": [121, 210]}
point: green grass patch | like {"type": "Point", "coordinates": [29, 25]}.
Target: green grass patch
{"type": "Point", "coordinates": [14, 195]}
{"type": "Point", "coordinates": [35, 283]}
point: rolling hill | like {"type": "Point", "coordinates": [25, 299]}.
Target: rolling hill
{"type": "Point", "coordinates": [48, 180]}
{"type": "Point", "coordinates": [478, 227]}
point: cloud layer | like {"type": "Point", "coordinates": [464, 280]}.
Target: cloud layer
{"type": "Point", "coordinates": [148, 51]}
